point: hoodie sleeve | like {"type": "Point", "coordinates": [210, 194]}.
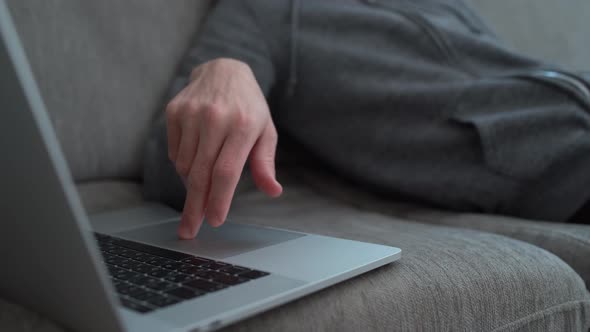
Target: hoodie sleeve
{"type": "Point", "coordinates": [231, 30]}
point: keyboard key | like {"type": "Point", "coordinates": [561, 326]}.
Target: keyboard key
{"type": "Point", "coordinates": [141, 257]}
{"type": "Point", "coordinates": [122, 251]}
{"type": "Point", "coordinates": [208, 274]}
{"type": "Point", "coordinates": [222, 278]}
{"type": "Point", "coordinates": [174, 255]}
{"type": "Point", "coordinates": [172, 265]}
{"type": "Point", "coordinates": [253, 274]}
{"type": "Point", "coordinates": [230, 280]}
{"type": "Point", "coordinates": [113, 269]}
{"type": "Point", "coordinates": [160, 273]}
{"type": "Point", "coordinates": [130, 253]}
{"type": "Point", "coordinates": [159, 261]}
{"type": "Point", "coordinates": [125, 275]}
{"type": "Point", "coordinates": [131, 290]}
{"type": "Point", "coordinates": [216, 265]}
{"type": "Point", "coordinates": [161, 286]}
{"type": "Point", "coordinates": [144, 268]}
{"type": "Point", "coordinates": [232, 269]}
{"type": "Point", "coordinates": [122, 287]}
{"type": "Point", "coordinates": [113, 250]}
{"type": "Point", "coordinates": [204, 285]}
{"type": "Point", "coordinates": [197, 261]}
{"type": "Point", "coordinates": [185, 266]}
{"type": "Point", "coordinates": [143, 296]}
{"type": "Point", "coordinates": [185, 293]}
{"type": "Point", "coordinates": [129, 264]}
{"type": "Point", "coordinates": [106, 255]}
{"type": "Point", "coordinates": [114, 260]}
{"type": "Point", "coordinates": [179, 278]}
{"type": "Point", "coordinates": [135, 306]}
{"type": "Point", "coordinates": [161, 301]}
{"type": "Point", "coordinates": [192, 270]}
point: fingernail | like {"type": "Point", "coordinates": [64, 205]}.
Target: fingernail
{"type": "Point", "coordinates": [213, 221]}
{"type": "Point", "coordinates": [279, 191]}
{"type": "Point", "coordinates": [184, 231]}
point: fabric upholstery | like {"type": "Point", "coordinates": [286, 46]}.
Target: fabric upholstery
{"type": "Point", "coordinates": [101, 196]}
{"type": "Point", "coordinates": [556, 31]}
{"type": "Point", "coordinates": [103, 86]}
{"type": "Point", "coordinates": [421, 292]}
{"type": "Point", "coordinates": [448, 279]}
{"type": "Point", "coordinates": [102, 67]}
{"type": "Point", "coordinates": [571, 242]}
{"type": "Point", "coordinates": [16, 318]}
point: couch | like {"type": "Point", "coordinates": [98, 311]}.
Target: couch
{"type": "Point", "coordinates": [103, 67]}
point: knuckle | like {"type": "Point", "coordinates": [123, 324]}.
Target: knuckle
{"type": "Point", "coordinates": [182, 167]}
{"type": "Point", "coordinates": [172, 108]}
{"type": "Point", "coordinates": [243, 124]}
{"type": "Point", "coordinates": [198, 176]}
{"type": "Point", "coordinates": [225, 170]}
{"type": "Point", "coordinates": [273, 135]}
{"type": "Point", "coordinates": [212, 113]}
{"type": "Point", "coordinates": [192, 180]}
{"type": "Point", "coordinates": [192, 106]}
{"type": "Point", "coordinates": [266, 160]}
{"type": "Point", "coordinates": [191, 112]}
{"type": "Point", "coordinates": [171, 155]}
{"type": "Point", "coordinates": [243, 120]}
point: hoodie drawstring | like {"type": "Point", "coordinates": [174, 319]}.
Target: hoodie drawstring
{"type": "Point", "coordinates": [292, 83]}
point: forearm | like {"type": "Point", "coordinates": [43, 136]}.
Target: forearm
{"type": "Point", "coordinates": [231, 31]}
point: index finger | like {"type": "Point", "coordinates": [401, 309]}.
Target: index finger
{"type": "Point", "coordinates": [199, 179]}
{"type": "Point", "coordinates": [193, 213]}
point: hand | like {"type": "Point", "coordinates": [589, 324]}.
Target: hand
{"type": "Point", "coordinates": [214, 125]}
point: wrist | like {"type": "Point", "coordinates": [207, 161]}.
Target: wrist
{"type": "Point", "coordinates": [220, 64]}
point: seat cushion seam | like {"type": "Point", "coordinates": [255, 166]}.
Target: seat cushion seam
{"type": "Point", "coordinates": [585, 243]}
{"type": "Point", "coordinates": [567, 306]}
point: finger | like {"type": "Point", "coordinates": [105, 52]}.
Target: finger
{"type": "Point", "coordinates": [262, 162]}
{"type": "Point", "coordinates": [173, 130]}
{"type": "Point", "coordinates": [187, 149]}
{"type": "Point", "coordinates": [211, 138]}
{"type": "Point", "coordinates": [226, 175]}
{"type": "Point", "coordinates": [191, 219]}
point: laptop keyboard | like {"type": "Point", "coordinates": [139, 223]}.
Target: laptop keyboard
{"type": "Point", "coordinates": [147, 278]}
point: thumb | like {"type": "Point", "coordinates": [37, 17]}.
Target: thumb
{"type": "Point", "coordinates": [262, 162]}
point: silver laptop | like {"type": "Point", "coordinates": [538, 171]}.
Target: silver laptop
{"type": "Point", "coordinates": [129, 271]}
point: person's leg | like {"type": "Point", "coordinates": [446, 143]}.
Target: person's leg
{"type": "Point", "coordinates": [494, 135]}
{"type": "Point", "coordinates": [582, 216]}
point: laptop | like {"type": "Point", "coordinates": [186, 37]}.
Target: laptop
{"type": "Point", "coordinates": [126, 270]}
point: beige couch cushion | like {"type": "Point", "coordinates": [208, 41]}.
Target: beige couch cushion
{"type": "Point", "coordinates": [447, 279]}
{"type": "Point", "coordinates": [556, 31]}
{"type": "Point", "coordinates": [103, 67]}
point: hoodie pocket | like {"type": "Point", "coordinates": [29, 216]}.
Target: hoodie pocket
{"type": "Point", "coordinates": [523, 128]}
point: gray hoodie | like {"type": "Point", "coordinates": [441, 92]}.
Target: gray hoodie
{"type": "Point", "coordinates": [412, 98]}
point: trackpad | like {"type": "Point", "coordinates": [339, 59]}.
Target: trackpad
{"type": "Point", "coordinates": [226, 241]}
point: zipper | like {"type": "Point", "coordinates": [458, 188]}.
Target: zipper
{"type": "Point", "coordinates": [461, 17]}
{"type": "Point", "coordinates": [412, 11]}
